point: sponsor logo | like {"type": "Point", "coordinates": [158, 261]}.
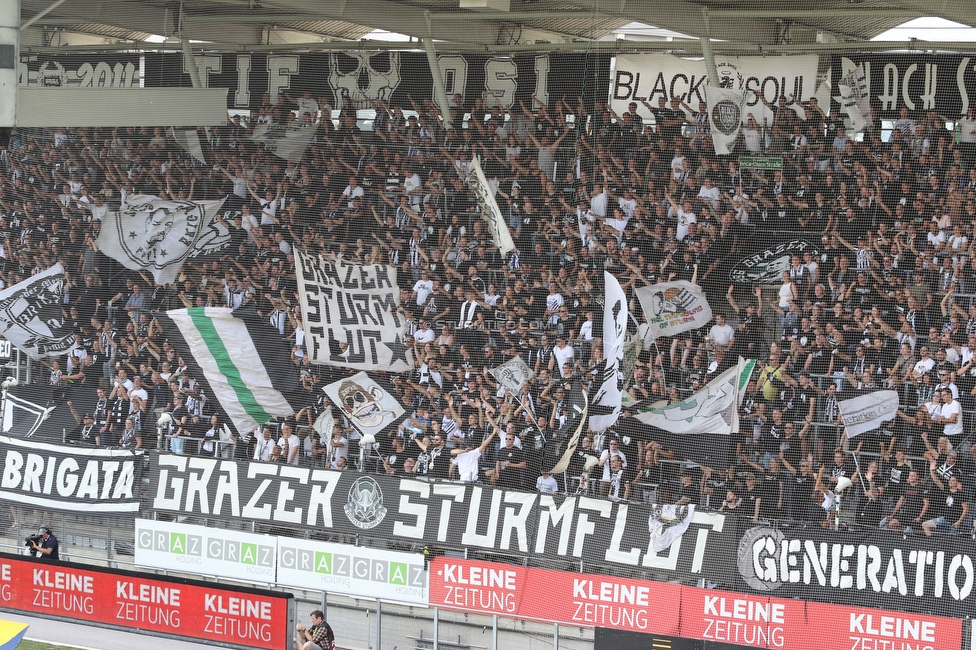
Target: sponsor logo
{"type": "Point", "coordinates": [207, 547]}
{"type": "Point", "coordinates": [365, 506]}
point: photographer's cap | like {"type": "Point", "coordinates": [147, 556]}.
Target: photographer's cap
{"type": "Point", "coordinates": [43, 529]}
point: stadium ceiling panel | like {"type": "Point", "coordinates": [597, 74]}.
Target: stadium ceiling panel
{"type": "Point", "coordinates": [481, 23]}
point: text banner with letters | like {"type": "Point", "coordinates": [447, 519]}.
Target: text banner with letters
{"type": "Point", "coordinates": [441, 514]}
{"type": "Point", "coordinates": [873, 568]}
{"type": "Point", "coordinates": [650, 77]}
{"type": "Point", "coordinates": [350, 313]}
{"type": "Point", "coordinates": [69, 478]}
{"type": "Point", "coordinates": [190, 609]}
{"type": "Point", "coordinates": [673, 610]}
{"type": "Point", "coordinates": [919, 82]}
{"type": "Point", "coordinates": [388, 76]}
{"type": "Point", "coordinates": [79, 70]}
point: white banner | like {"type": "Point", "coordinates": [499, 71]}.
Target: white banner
{"type": "Point", "coordinates": [513, 374]}
{"type": "Point", "coordinates": [869, 411]}
{"type": "Point", "coordinates": [350, 314]}
{"type": "Point", "coordinates": [156, 235]}
{"type": "Point", "coordinates": [673, 307]}
{"type": "Point", "coordinates": [202, 550]}
{"type": "Point", "coordinates": [354, 571]}
{"type": "Point", "coordinates": [855, 96]}
{"type": "Point", "coordinates": [284, 141]}
{"type": "Point", "coordinates": [605, 409]}
{"type": "Point", "coordinates": [31, 317]}
{"type": "Point", "coordinates": [712, 410]}
{"type": "Point", "coordinates": [489, 208]}
{"type": "Point", "coordinates": [726, 110]}
{"type": "Point", "coordinates": [651, 76]}
{"type": "Point", "coordinates": [364, 402]}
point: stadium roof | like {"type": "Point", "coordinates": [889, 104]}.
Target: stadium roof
{"type": "Point", "coordinates": [494, 25]}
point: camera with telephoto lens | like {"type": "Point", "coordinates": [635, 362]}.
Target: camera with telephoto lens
{"type": "Point", "coordinates": [30, 540]}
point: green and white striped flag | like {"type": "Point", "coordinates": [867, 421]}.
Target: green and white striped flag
{"type": "Point", "coordinates": [242, 363]}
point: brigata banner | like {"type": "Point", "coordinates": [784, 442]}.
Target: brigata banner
{"type": "Point", "coordinates": [206, 551]}
{"type": "Point", "coordinates": [443, 514]}
{"type": "Point", "coordinates": [65, 477]}
{"type": "Point", "coordinates": [872, 567]}
{"type": "Point", "coordinates": [202, 611]}
{"type": "Point", "coordinates": [668, 609]}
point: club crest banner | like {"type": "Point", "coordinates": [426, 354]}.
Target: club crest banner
{"type": "Point", "coordinates": [350, 314]}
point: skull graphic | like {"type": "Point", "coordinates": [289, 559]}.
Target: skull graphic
{"type": "Point", "coordinates": [352, 74]}
{"type": "Point", "coordinates": [361, 405]}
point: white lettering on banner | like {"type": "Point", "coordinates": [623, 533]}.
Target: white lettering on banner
{"type": "Point", "coordinates": [611, 592]}
{"type": "Point", "coordinates": [63, 590]}
{"type": "Point", "coordinates": [237, 606]}
{"type": "Point", "coordinates": [242, 96]}
{"type": "Point", "coordinates": [485, 588]}
{"type": "Point", "coordinates": [600, 615]}
{"type": "Point", "coordinates": [281, 67]}
{"type": "Point", "coordinates": [147, 593]}
{"type": "Point", "coordinates": [893, 627]}
{"type": "Point", "coordinates": [60, 72]}
{"type": "Point", "coordinates": [64, 580]}
{"type": "Point", "coordinates": [768, 560]}
{"type": "Point", "coordinates": [731, 631]}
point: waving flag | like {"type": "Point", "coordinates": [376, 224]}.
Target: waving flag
{"type": "Point", "coordinates": [673, 307]}
{"type": "Point", "coordinates": [242, 363]}
{"type": "Point", "coordinates": [726, 107]}
{"type": "Point", "coordinates": [31, 317]}
{"type": "Point", "coordinates": [151, 234]}
{"type": "Point", "coordinates": [605, 408]}
{"type": "Point", "coordinates": [489, 208]}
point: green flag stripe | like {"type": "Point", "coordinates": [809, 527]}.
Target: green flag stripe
{"type": "Point", "coordinates": [226, 365]}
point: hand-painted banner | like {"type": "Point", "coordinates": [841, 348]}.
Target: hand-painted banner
{"type": "Point", "coordinates": [255, 79]}
{"type": "Point", "coordinates": [350, 314]}
{"type": "Point", "coordinates": [649, 77]}
{"type": "Point", "coordinates": [364, 402]}
{"type": "Point", "coordinates": [945, 83]}
{"type": "Point", "coordinates": [673, 307]}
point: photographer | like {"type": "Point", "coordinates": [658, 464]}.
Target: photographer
{"type": "Point", "coordinates": [318, 637]}
{"type": "Point", "coordinates": [45, 544]}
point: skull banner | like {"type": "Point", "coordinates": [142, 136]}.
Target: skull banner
{"type": "Point", "coordinates": [364, 402]}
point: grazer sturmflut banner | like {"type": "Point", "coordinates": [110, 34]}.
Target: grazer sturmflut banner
{"type": "Point", "coordinates": [65, 477]}
{"type": "Point", "coordinates": [350, 314]}
{"type": "Point", "coordinates": [874, 568]}
{"type": "Point", "coordinates": [451, 515]}
{"type": "Point", "coordinates": [388, 76]}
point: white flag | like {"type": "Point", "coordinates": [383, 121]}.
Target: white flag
{"type": "Point", "coordinates": [350, 314]}
{"type": "Point", "coordinates": [284, 141]}
{"type": "Point", "coordinates": [673, 307]}
{"type": "Point", "coordinates": [605, 409]}
{"type": "Point", "coordinates": [712, 410]}
{"type": "Point", "coordinates": [31, 317]}
{"type": "Point", "coordinates": [726, 108]}
{"type": "Point", "coordinates": [667, 523]}
{"type": "Point", "coordinates": [513, 374]}
{"type": "Point", "coordinates": [364, 402]}
{"type": "Point", "coordinates": [156, 235]}
{"type": "Point", "coordinates": [324, 424]}
{"type": "Point", "coordinates": [489, 208]}
{"type": "Point", "coordinates": [869, 411]}
{"type": "Point", "coordinates": [190, 141]}
{"type": "Point", "coordinates": [855, 97]}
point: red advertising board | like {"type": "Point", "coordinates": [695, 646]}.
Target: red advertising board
{"type": "Point", "coordinates": [674, 610]}
{"type": "Point", "coordinates": [197, 610]}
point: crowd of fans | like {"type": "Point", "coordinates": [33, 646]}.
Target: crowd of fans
{"type": "Point", "coordinates": [584, 190]}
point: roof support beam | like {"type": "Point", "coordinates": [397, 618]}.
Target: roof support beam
{"type": "Point", "coordinates": [43, 12]}
{"type": "Point", "coordinates": [806, 14]}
